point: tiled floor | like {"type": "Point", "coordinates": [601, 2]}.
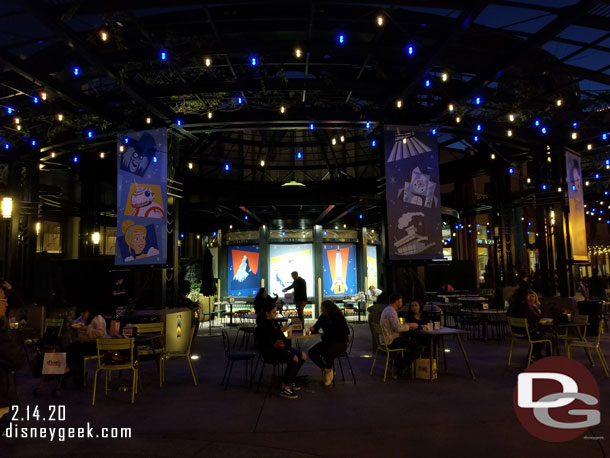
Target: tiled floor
{"type": "Point", "coordinates": [453, 416]}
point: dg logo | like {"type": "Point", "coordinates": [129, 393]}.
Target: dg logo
{"type": "Point", "coordinates": [557, 399]}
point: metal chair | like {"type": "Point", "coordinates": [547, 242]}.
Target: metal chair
{"type": "Point", "coordinates": [187, 355]}
{"type": "Point", "coordinates": [592, 345]}
{"type": "Point", "coordinates": [115, 345]}
{"type": "Point", "coordinates": [383, 347]}
{"type": "Point", "coordinates": [576, 335]}
{"type": "Point", "coordinates": [346, 356]}
{"type": "Point", "coordinates": [245, 328]}
{"type": "Point", "coordinates": [55, 323]}
{"type": "Point", "coordinates": [520, 332]}
{"type": "Point", "coordinates": [154, 348]}
{"type": "Point", "coordinates": [233, 356]}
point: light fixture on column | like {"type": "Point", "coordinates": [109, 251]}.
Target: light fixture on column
{"type": "Point", "coordinates": [7, 207]}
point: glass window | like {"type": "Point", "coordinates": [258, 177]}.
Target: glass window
{"type": "Point", "coordinates": [109, 241]}
{"type": "Point", "coordinates": [482, 259]}
{"type": "Point", "coordinates": [49, 238]}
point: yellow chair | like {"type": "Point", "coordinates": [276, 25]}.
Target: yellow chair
{"type": "Point", "coordinates": [594, 345]}
{"type": "Point", "coordinates": [383, 347]}
{"type": "Point", "coordinates": [187, 355]}
{"type": "Point", "coordinates": [153, 348]}
{"type": "Point", "coordinates": [520, 332]}
{"type": "Point", "coordinates": [576, 334]}
{"type": "Point", "coordinates": [56, 323]}
{"type": "Point", "coordinates": [114, 345]}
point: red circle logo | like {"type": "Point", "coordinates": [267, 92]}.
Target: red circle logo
{"type": "Point", "coordinates": [556, 399]}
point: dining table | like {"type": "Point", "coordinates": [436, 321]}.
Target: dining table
{"type": "Point", "coordinates": [556, 328]}
{"type": "Point", "coordinates": [441, 334]}
{"type": "Point", "coordinates": [484, 316]}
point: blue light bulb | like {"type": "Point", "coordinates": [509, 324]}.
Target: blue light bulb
{"type": "Point", "coordinates": [227, 167]}
{"type": "Point", "coordinates": [410, 50]}
{"type": "Point", "coordinates": [33, 142]}
{"type": "Point", "coordinates": [341, 38]}
{"type": "Point", "coordinates": [253, 61]}
{"type": "Point", "coordinates": [374, 143]}
{"type": "Point", "coordinates": [311, 126]}
{"type": "Point", "coordinates": [35, 99]}
{"type": "Point", "coordinates": [155, 159]}
{"type": "Point", "coordinates": [479, 127]}
{"type": "Point", "coordinates": [543, 130]}
{"type": "Point", "coordinates": [163, 55]}
{"type": "Point", "coordinates": [427, 83]}
{"type": "Point", "coordinates": [368, 124]}
{"type": "Point", "coordinates": [537, 122]}
{"type": "Point", "coordinates": [75, 159]}
{"type": "Point", "coordinates": [76, 71]}
{"type": "Point", "coordinates": [477, 101]}
{"type": "Point", "coordinates": [476, 138]}
{"type": "Point", "coordinates": [178, 122]}
{"type": "Point", "coordinates": [240, 100]}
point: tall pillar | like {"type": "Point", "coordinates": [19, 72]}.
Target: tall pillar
{"type": "Point", "coordinates": [318, 262]}
{"type": "Point", "coordinates": [263, 247]}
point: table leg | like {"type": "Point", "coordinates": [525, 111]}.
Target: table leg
{"type": "Point", "coordinates": [459, 339]}
{"type": "Point", "coordinates": [442, 348]}
{"type": "Point", "coordinates": [431, 355]}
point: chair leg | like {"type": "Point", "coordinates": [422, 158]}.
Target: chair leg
{"type": "Point", "coordinates": [529, 355]}
{"type": "Point", "coordinates": [387, 361]}
{"type": "Point", "coordinates": [193, 373]}
{"type": "Point", "coordinates": [374, 360]}
{"type": "Point", "coordinates": [134, 384]}
{"type": "Point", "coordinates": [340, 367]}
{"type": "Point", "coordinates": [350, 369]}
{"type": "Point", "coordinates": [94, 386]}
{"type": "Point", "coordinates": [260, 378]}
{"type": "Point", "coordinates": [222, 382]}
{"type": "Point", "coordinates": [588, 352]}
{"type": "Point", "coordinates": [510, 351]}
{"type": "Point", "coordinates": [229, 375]}
{"type": "Point", "coordinates": [602, 359]}
{"type": "Point", "coordinates": [106, 384]}
{"type": "Point", "coordinates": [569, 351]}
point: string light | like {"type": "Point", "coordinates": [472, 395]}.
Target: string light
{"type": "Point", "coordinates": [399, 104]}
{"type": "Point", "coordinates": [208, 61]}
{"type": "Point", "coordinates": [574, 135]}
{"type": "Point", "coordinates": [297, 52]}
{"type": "Point", "coordinates": [341, 38]}
{"type": "Point", "coordinates": [227, 168]}
{"type": "Point", "coordinates": [178, 122]}
{"type": "Point", "coordinates": [559, 102]}
{"type": "Point", "coordinates": [509, 133]}
{"type": "Point", "coordinates": [479, 127]}
{"type": "Point", "coordinates": [262, 162]}
{"type": "Point", "coordinates": [536, 122]}
{"type": "Point", "coordinates": [311, 126]}
{"type": "Point", "coordinates": [210, 115]}
{"type": "Point", "coordinates": [102, 155]}
{"type": "Point", "coordinates": [190, 165]}
{"type": "Point", "coordinates": [458, 119]}
{"type": "Point", "coordinates": [492, 156]}
{"type": "Point", "coordinates": [19, 127]}
{"type": "Point", "coordinates": [282, 109]}
{"type": "Point", "coordinates": [589, 146]}
{"type": "Point", "coordinates": [17, 120]}
{"type": "Point", "coordinates": [511, 117]}
{"type": "Point", "coordinates": [342, 138]}
{"type": "Point", "coordinates": [380, 20]}
{"type": "Point", "coordinates": [52, 155]}
{"type": "Point", "coordinates": [476, 138]}
{"type": "Point", "coordinates": [373, 143]}
{"type": "Point", "coordinates": [410, 50]}
{"type": "Point", "coordinates": [404, 141]}
{"type": "Point", "coordinates": [427, 83]}
{"type": "Point", "coordinates": [60, 117]}
{"type": "Point", "coordinates": [477, 101]}
{"type": "Point", "coordinates": [148, 120]}
{"type": "Point", "coordinates": [528, 180]}
{"type": "Point", "coordinates": [334, 141]}
{"type": "Point", "coordinates": [76, 71]}
{"type": "Point", "coordinates": [253, 61]}
{"type": "Point", "coordinates": [163, 55]}
{"type": "Point", "coordinates": [35, 99]}
{"type": "Point", "coordinates": [543, 130]}
{"type": "Point", "coordinates": [104, 35]}
{"type": "Point", "coordinates": [43, 95]}
{"type": "Point", "coordinates": [368, 124]}
{"type": "Point", "coordinates": [444, 77]}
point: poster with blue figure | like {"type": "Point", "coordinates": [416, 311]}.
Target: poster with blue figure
{"type": "Point", "coordinates": [244, 273]}
{"type": "Point", "coordinates": [339, 267]}
{"type": "Point", "coordinates": [141, 197]}
{"type": "Point", "coordinates": [412, 193]}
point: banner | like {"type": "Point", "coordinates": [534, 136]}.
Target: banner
{"type": "Point", "coordinates": [371, 266]}
{"type": "Point", "coordinates": [141, 198]}
{"type": "Point", "coordinates": [412, 193]}
{"type": "Point", "coordinates": [576, 220]}
{"type": "Point", "coordinates": [339, 267]}
{"type": "Point", "coordinates": [286, 259]}
{"type": "Point", "coordinates": [244, 273]}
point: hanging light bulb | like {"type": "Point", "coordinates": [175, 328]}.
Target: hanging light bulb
{"type": "Point", "coordinates": [509, 133]}
{"type": "Point", "coordinates": [104, 35]}
{"type": "Point", "coordinates": [380, 20]}
{"type": "Point", "coordinates": [511, 117]}
{"type": "Point", "coordinates": [589, 146]}
{"type": "Point", "coordinates": [458, 119]}
{"type": "Point", "coordinates": [574, 135]}
{"type": "Point", "coordinates": [43, 95]}
{"type": "Point", "coordinates": [262, 162]}
{"type": "Point", "coordinates": [444, 77]}
{"type": "Point", "coordinates": [210, 115]}
{"type": "Point", "coordinates": [559, 102]}
{"type": "Point", "coordinates": [451, 108]}
{"type": "Point", "coordinates": [334, 141]}
{"type": "Point", "coordinates": [342, 138]}
{"type": "Point", "coordinates": [399, 104]}
{"type": "Point", "coordinates": [190, 165]}
{"type": "Point", "coordinates": [60, 117]}
{"type": "Point", "coordinates": [102, 155]}
{"type": "Point", "coordinates": [208, 61]}
{"type": "Point", "coordinates": [282, 109]}
{"type": "Point", "coordinates": [297, 52]}
{"type": "Point", "coordinates": [148, 120]}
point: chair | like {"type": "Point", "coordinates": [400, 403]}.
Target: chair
{"type": "Point", "coordinates": [592, 345]}
{"type": "Point", "coordinates": [346, 356]}
{"type": "Point", "coordinates": [277, 372]}
{"type": "Point", "coordinates": [55, 323]}
{"type": "Point", "coordinates": [576, 335]}
{"type": "Point", "coordinates": [114, 345]}
{"type": "Point", "coordinates": [520, 333]}
{"type": "Point", "coordinates": [246, 329]}
{"type": "Point", "coordinates": [149, 342]}
{"type": "Point", "coordinates": [233, 356]}
{"type": "Point", "coordinates": [187, 355]}
{"type": "Point", "coordinates": [469, 322]}
{"type": "Point", "coordinates": [383, 347]}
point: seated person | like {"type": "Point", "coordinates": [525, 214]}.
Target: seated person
{"type": "Point", "coordinates": [415, 314]}
{"type": "Point", "coordinates": [374, 293]}
{"type": "Point", "coordinates": [261, 299]}
{"type": "Point", "coordinates": [85, 345]}
{"type": "Point", "coordinates": [529, 307]}
{"type": "Point", "coordinates": [334, 339]}
{"type": "Point", "coordinates": [274, 348]}
{"type": "Point", "coordinates": [393, 329]}
{"type": "Point", "coordinates": [81, 319]}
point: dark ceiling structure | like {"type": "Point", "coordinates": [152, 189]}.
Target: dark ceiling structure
{"type": "Point", "coordinates": [260, 94]}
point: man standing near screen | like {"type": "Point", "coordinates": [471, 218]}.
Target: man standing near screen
{"type": "Point", "coordinates": [300, 295]}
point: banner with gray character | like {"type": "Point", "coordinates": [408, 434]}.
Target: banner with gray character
{"type": "Point", "coordinates": [412, 193]}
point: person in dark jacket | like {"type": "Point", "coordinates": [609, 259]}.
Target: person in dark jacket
{"type": "Point", "coordinates": [11, 359]}
{"type": "Point", "coordinates": [261, 299]}
{"type": "Point", "coordinates": [300, 295]}
{"type": "Point", "coordinates": [274, 348]}
{"type": "Point", "coordinates": [334, 339]}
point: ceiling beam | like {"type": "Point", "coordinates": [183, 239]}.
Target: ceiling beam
{"type": "Point", "coordinates": [322, 215]}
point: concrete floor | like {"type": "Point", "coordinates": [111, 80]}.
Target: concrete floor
{"type": "Point", "coordinates": [452, 417]}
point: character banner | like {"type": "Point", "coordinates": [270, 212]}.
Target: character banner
{"type": "Point", "coordinates": [576, 220]}
{"type": "Point", "coordinates": [412, 193]}
{"type": "Point", "coordinates": [141, 198]}
{"type": "Point", "coordinates": [244, 274]}
{"type": "Point", "coordinates": [339, 270]}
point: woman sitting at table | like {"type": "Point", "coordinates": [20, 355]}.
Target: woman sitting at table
{"type": "Point", "coordinates": [261, 299]}
{"type": "Point", "coordinates": [415, 314]}
{"type": "Point", "coordinates": [528, 306]}
{"type": "Point", "coordinates": [275, 348]}
{"type": "Point", "coordinates": [334, 339]}
{"type": "Point", "coordinates": [85, 345]}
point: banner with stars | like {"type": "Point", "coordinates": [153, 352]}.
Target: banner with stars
{"type": "Point", "coordinates": [412, 193]}
{"type": "Point", "coordinates": [141, 197]}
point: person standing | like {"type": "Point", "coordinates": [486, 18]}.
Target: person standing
{"type": "Point", "coordinates": [300, 294]}
{"type": "Point", "coordinates": [335, 335]}
{"type": "Point", "coordinates": [11, 359]}
{"type": "Point", "coordinates": [374, 293]}
{"type": "Point", "coordinates": [391, 325]}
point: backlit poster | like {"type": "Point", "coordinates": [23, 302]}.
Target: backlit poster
{"type": "Point", "coordinates": [244, 274]}
{"type": "Point", "coordinates": [141, 197]}
{"type": "Point", "coordinates": [285, 259]}
{"type": "Point", "coordinates": [339, 267]}
{"type": "Point", "coordinates": [412, 193]}
{"type": "Point", "coordinates": [576, 220]}
{"type": "Point", "coordinates": [371, 265]}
